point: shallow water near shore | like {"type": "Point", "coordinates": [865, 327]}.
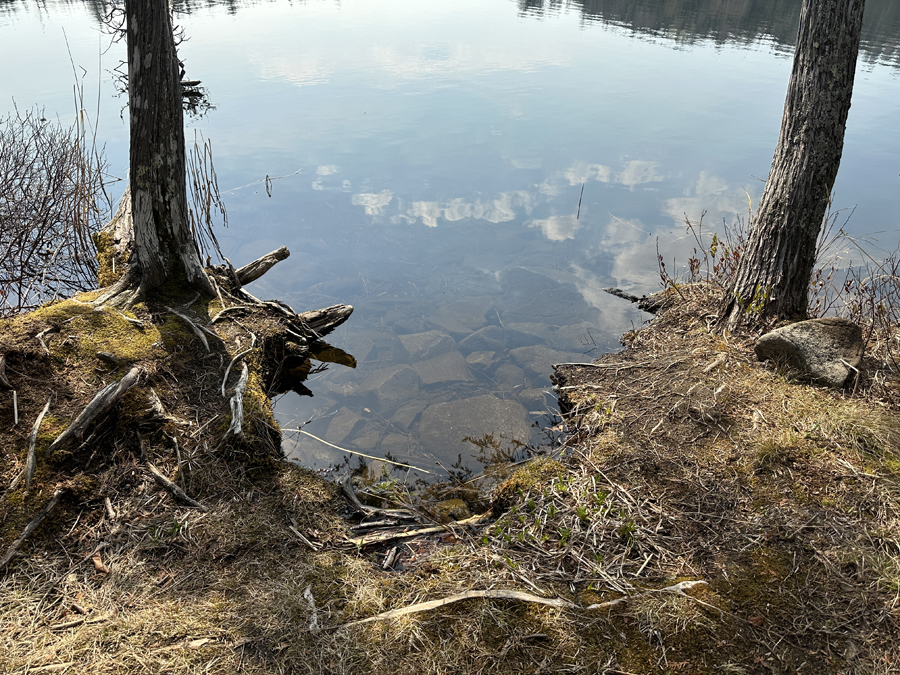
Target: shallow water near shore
{"type": "Point", "coordinates": [470, 175]}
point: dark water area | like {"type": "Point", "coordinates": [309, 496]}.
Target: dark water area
{"type": "Point", "coordinates": [470, 176]}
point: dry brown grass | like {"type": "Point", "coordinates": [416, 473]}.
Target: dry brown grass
{"type": "Point", "coordinates": [685, 460]}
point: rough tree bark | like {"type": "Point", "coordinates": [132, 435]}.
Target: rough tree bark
{"type": "Point", "coordinates": [772, 280]}
{"type": "Point", "coordinates": [164, 250]}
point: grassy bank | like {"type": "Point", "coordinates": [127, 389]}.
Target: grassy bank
{"type": "Point", "coordinates": [705, 514]}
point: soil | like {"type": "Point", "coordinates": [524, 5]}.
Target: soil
{"type": "Point", "coordinates": [683, 459]}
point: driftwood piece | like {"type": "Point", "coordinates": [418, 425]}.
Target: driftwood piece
{"type": "Point", "coordinates": [31, 527]}
{"type": "Point", "coordinates": [467, 595]}
{"type": "Point", "coordinates": [322, 321]}
{"type": "Point", "coordinates": [194, 326]}
{"type": "Point", "coordinates": [678, 589]}
{"type": "Point", "coordinates": [4, 382]}
{"type": "Point", "coordinates": [101, 404]}
{"type": "Point", "coordinates": [253, 271]}
{"type": "Point", "coordinates": [31, 459]}
{"type": "Point", "coordinates": [237, 403]}
{"type": "Point", "coordinates": [235, 308]}
{"type": "Point", "coordinates": [235, 359]}
{"type": "Point", "coordinates": [382, 537]}
{"type": "Point", "coordinates": [347, 488]}
{"type": "Point", "coordinates": [175, 491]}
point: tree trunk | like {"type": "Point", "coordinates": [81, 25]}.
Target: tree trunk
{"type": "Point", "coordinates": [772, 279]}
{"type": "Point", "coordinates": [164, 247]}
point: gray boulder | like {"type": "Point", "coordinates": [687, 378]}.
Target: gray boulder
{"type": "Point", "coordinates": [444, 425]}
{"type": "Point", "coordinates": [444, 369]}
{"type": "Point", "coordinates": [487, 339]}
{"type": "Point", "coordinates": [427, 345]}
{"type": "Point", "coordinates": [388, 388]}
{"type": "Point", "coordinates": [827, 351]}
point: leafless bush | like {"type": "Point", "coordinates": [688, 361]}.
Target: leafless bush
{"type": "Point", "coordinates": [872, 299]}
{"type": "Point", "coordinates": [52, 198]}
{"type": "Point", "coordinates": [714, 259]}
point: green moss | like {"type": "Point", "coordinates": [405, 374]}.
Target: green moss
{"type": "Point", "coordinates": [109, 331]}
{"type": "Point", "coordinates": [111, 267]}
{"type": "Point", "coordinates": [532, 475]}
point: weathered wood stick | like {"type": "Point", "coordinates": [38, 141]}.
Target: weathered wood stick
{"type": "Point", "coordinates": [101, 404]}
{"type": "Point", "coordinates": [323, 321]}
{"type": "Point", "coordinates": [222, 313]}
{"type": "Point", "coordinates": [31, 459]}
{"type": "Point", "coordinates": [235, 359]}
{"type": "Point", "coordinates": [360, 454]}
{"type": "Point", "coordinates": [381, 537]}
{"type": "Point", "coordinates": [237, 403]}
{"type": "Point", "coordinates": [110, 511]}
{"type": "Point", "coordinates": [346, 484]}
{"type": "Point", "coordinates": [467, 595]}
{"type": "Point", "coordinates": [31, 527]}
{"type": "Point", "coordinates": [678, 589]}
{"type": "Point", "coordinates": [194, 327]}
{"type": "Point", "coordinates": [176, 491]}
{"type": "Point", "coordinates": [40, 338]}
{"type": "Point", "coordinates": [4, 382]}
{"type": "Point", "coordinates": [253, 271]}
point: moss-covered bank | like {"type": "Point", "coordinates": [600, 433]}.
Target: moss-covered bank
{"type": "Point", "coordinates": [684, 460]}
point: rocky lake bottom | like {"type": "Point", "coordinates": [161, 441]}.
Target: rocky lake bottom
{"type": "Point", "coordinates": [462, 383]}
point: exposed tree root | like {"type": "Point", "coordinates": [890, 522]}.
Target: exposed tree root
{"type": "Point", "coordinates": [101, 404]}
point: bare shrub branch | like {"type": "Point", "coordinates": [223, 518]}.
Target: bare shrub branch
{"type": "Point", "coordinates": [52, 199]}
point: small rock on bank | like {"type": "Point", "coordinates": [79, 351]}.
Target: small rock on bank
{"type": "Point", "coordinates": [826, 350]}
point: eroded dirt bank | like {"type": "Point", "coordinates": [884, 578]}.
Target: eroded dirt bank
{"type": "Point", "coordinates": [705, 514]}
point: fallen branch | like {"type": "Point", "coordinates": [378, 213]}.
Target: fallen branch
{"type": "Point", "coordinates": [381, 537]}
{"type": "Point", "coordinates": [194, 327]}
{"type": "Point", "coordinates": [237, 403]}
{"type": "Point", "coordinates": [40, 338]}
{"type": "Point", "coordinates": [101, 404]}
{"type": "Point", "coordinates": [678, 589]}
{"type": "Point", "coordinates": [53, 668]}
{"type": "Point", "coordinates": [234, 360]}
{"type": "Point", "coordinates": [4, 382]}
{"type": "Point", "coordinates": [219, 315]}
{"type": "Point", "coordinates": [176, 491]}
{"type": "Point", "coordinates": [347, 488]}
{"type": "Point", "coordinates": [31, 459]}
{"type": "Point", "coordinates": [253, 271]}
{"type": "Point", "coordinates": [322, 321]}
{"type": "Point", "coordinates": [31, 527]}
{"type": "Point", "coordinates": [467, 595]}
{"type": "Point", "coordinates": [361, 454]}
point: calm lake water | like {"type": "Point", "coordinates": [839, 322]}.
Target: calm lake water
{"type": "Point", "coordinates": [470, 175]}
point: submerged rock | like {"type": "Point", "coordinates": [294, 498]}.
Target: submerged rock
{"type": "Point", "coordinates": [463, 316]}
{"type": "Point", "coordinates": [827, 351]}
{"type": "Point", "coordinates": [444, 425]}
{"type": "Point", "coordinates": [481, 362]}
{"type": "Point", "coordinates": [388, 388]}
{"type": "Point", "coordinates": [530, 296]}
{"type": "Point", "coordinates": [344, 423]}
{"type": "Point", "coordinates": [538, 361]}
{"type": "Point", "coordinates": [427, 345]}
{"type": "Point", "coordinates": [444, 369]}
{"type": "Point", "coordinates": [487, 339]}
